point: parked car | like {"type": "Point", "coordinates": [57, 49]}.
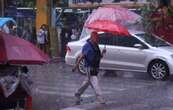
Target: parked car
{"type": "Point", "coordinates": [140, 52]}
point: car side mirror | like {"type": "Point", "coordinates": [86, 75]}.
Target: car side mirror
{"type": "Point", "coordinates": [139, 46]}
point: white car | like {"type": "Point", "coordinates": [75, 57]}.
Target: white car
{"type": "Point", "coordinates": [140, 52]}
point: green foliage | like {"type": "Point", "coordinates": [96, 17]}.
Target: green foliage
{"type": "Point", "coordinates": [170, 11]}
{"type": "Point", "coordinates": [62, 3]}
{"type": "Point", "coordinates": [26, 3]}
{"type": "Point", "coordinates": [146, 21]}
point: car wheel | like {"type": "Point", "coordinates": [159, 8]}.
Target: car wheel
{"type": "Point", "coordinates": [81, 67]}
{"type": "Point", "coordinates": [159, 70]}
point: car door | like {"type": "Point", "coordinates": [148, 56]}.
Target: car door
{"type": "Point", "coordinates": [109, 41]}
{"type": "Point", "coordinates": [129, 57]}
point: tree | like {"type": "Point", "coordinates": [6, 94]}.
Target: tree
{"type": "Point", "coordinates": [26, 3]}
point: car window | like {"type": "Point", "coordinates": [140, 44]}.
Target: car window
{"type": "Point", "coordinates": [152, 40]}
{"type": "Point", "coordinates": [107, 39]}
{"type": "Point", "coordinates": [127, 41]}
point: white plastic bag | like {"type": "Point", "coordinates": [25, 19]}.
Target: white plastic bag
{"type": "Point", "coordinates": [9, 84]}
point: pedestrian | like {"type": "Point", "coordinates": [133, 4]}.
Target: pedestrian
{"type": "Point", "coordinates": [42, 37]}
{"type": "Point", "coordinates": [34, 35]}
{"type": "Point", "coordinates": [19, 31]}
{"type": "Point", "coordinates": [26, 34]}
{"type": "Point", "coordinates": [65, 37]}
{"type": "Point", "coordinates": [92, 56]}
{"type": "Point", "coordinates": [14, 30]}
{"type": "Point", "coordinates": [74, 35]}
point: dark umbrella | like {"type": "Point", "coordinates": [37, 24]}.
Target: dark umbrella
{"type": "Point", "coordinates": [14, 50]}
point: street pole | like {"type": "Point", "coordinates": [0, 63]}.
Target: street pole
{"type": "Point", "coordinates": [46, 14]}
{"type": "Point", "coordinates": [52, 29]}
{"type": "Point", "coordinates": [2, 8]}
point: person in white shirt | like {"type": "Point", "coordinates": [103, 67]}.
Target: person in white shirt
{"type": "Point", "coordinates": [42, 37]}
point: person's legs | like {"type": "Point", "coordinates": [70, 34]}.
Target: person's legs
{"type": "Point", "coordinates": [96, 87]}
{"type": "Point", "coordinates": [44, 48]}
{"type": "Point", "coordinates": [41, 46]}
{"type": "Point", "coordinates": [63, 49]}
{"type": "Point", "coordinates": [83, 87]}
{"type": "Point", "coordinates": [81, 90]}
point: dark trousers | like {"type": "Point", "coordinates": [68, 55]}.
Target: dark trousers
{"type": "Point", "coordinates": [42, 47]}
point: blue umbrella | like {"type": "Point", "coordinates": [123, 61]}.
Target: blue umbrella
{"type": "Point", "coordinates": [5, 20]}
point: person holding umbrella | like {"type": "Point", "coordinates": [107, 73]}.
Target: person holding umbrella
{"type": "Point", "coordinates": [92, 56]}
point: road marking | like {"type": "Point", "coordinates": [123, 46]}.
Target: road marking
{"type": "Point", "coordinates": [113, 89]}
{"type": "Point", "coordinates": [57, 88]}
{"type": "Point", "coordinates": [58, 83]}
{"type": "Point", "coordinates": [89, 106]}
{"type": "Point", "coordinates": [72, 88]}
{"type": "Point", "coordinates": [69, 90]}
{"type": "Point", "coordinates": [107, 86]}
{"type": "Point", "coordinates": [165, 108]}
{"type": "Point", "coordinates": [73, 108]}
{"type": "Point", "coordinates": [68, 94]}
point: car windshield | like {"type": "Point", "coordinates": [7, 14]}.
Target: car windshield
{"type": "Point", "coordinates": [152, 40]}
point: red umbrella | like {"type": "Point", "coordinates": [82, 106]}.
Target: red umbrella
{"type": "Point", "coordinates": [14, 50]}
{"type": "Point", "coordinates": [121, 15]}
{"type": "Point", "coordinates": [116, 14]}
{"type": "Point", "coordinates": [108, 26]}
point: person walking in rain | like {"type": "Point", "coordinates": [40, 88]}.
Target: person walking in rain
{"type": "Point", "coordinates": [92, 56]}
{"type": "Point", "coordinates": [27, 34]}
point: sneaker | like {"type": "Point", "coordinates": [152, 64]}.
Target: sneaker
{"type": "Point", "coordinates": [100, 100]}
{"type": "Point", "coordinates": [78, 99]}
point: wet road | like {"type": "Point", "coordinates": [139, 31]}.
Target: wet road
{"type": "Point", "coordinates": [55, 85]}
